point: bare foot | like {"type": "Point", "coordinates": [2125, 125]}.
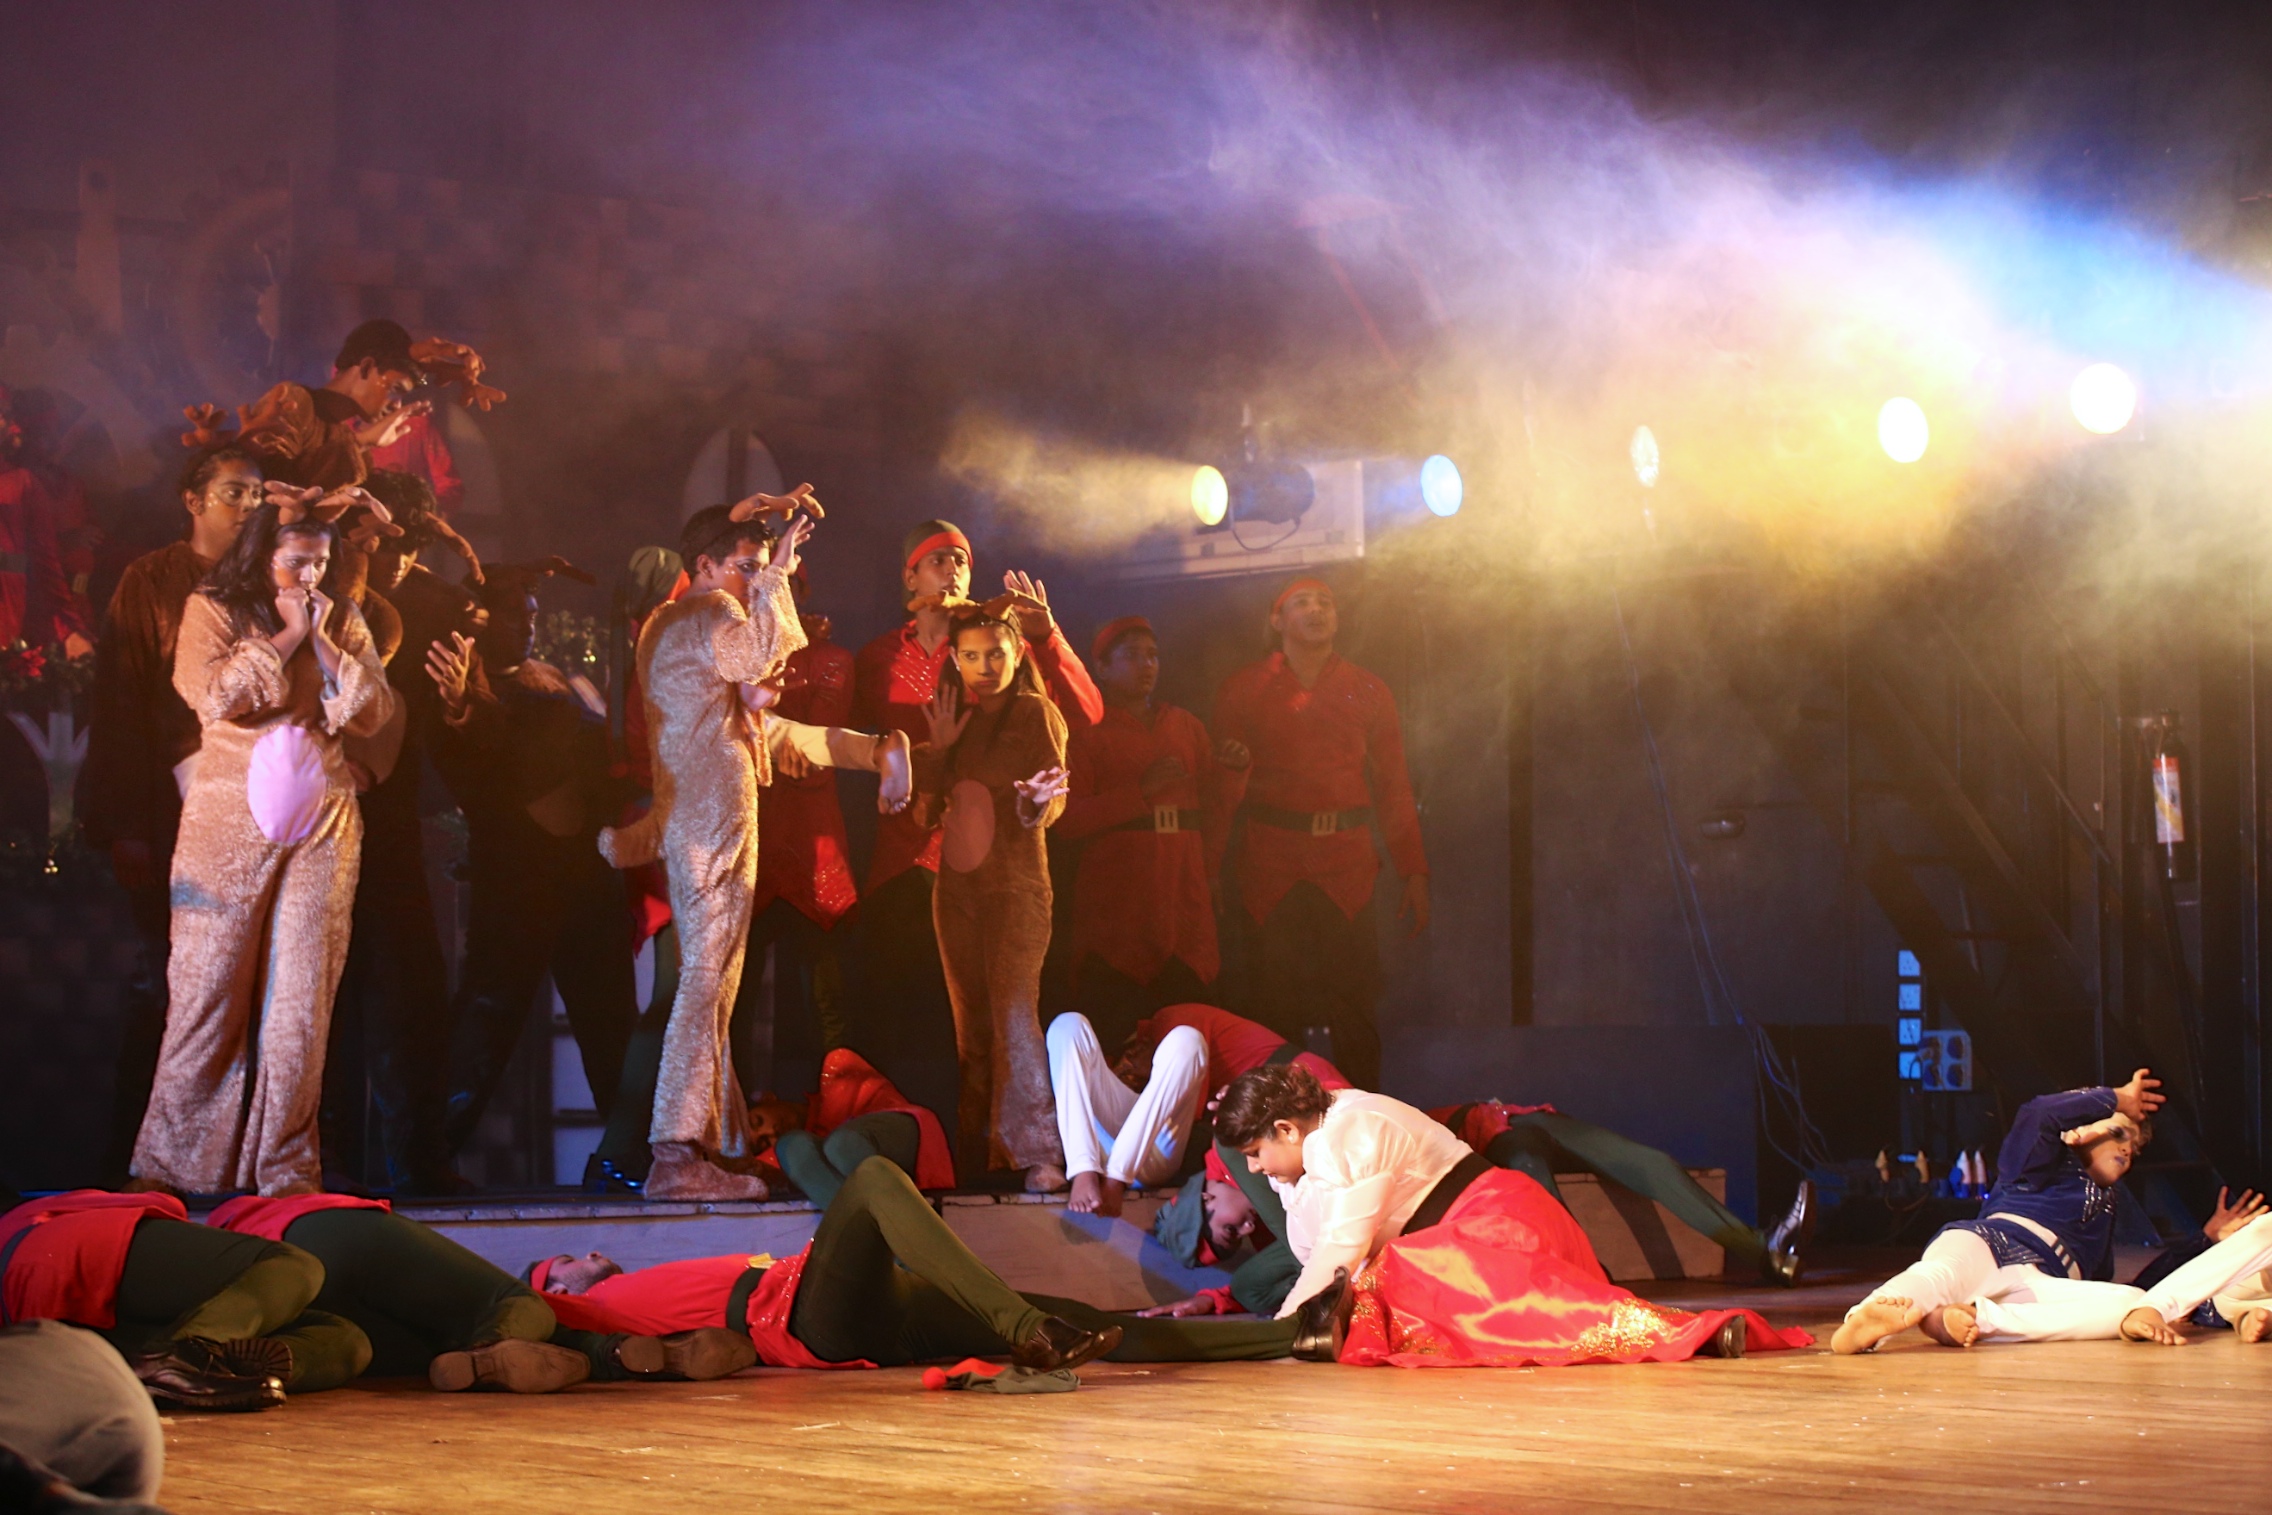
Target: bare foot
{"type": "Point", "coordinates": [1109, 1201]}
{"type": "Point", "coordinates": [1951, 1325]}
{"type": "Point", "coordinates": [1088, 1194]}
{"type": "Point", "coordinates": [1873, 1321]}
{"type": "Point", "coordinates": [2147, 1325]}
{"type": "Point", "coordinates": [2255, 1325]}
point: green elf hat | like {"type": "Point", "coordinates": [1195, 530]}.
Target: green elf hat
{"type": "Point", "coordinates": [1181, 1224]}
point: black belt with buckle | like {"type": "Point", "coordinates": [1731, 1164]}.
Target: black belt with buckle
{"type": "Point", "coordinates": [1448, 1188]}
{"type": "Point", "coordinates": [1315, 822]}
{"type": "Point", "coordinates": [1164, 820]}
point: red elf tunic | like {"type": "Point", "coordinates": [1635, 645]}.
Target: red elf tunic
{"type": "Point", "coordinates": [1235, 1044]}
{"type": "Point", "coordinates": [63, 1255]}
{"type": "Point", "coordinates": [802, 856]}
{"type": "Point", "coordinates": [850, 1086]}
{"type": "Point", "coordinates": [251, 1215]}
{"type": "Point", "coordinates": [420, 450]}
{"type": "Point", "coordinates": [36, 602]}
{"type": "Point", "coordinates": [893, 681]}
{"type": "Point", "coordinates": [1319, 753]}
{"type": "Point", "coordinates": [1479, 1123]}
{"type": "Point", "coordinates": [1140, 895]}
{"type": "Point", "coordinates": [689, 1295]}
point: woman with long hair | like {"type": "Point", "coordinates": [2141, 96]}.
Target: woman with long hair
{"type": "Point", "coordinates": [1417, 1252]}
{"type": "Point", "coordinates": [277, 668]}
{"type": "Point", "coordinates": [993, 774]}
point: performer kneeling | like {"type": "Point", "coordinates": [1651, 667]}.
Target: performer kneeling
{"type": "Point", "coordinates": [884, 1283]}
{"type": "Point", "coordinates": [433, 1309]}
{"type": "Point", "coordinates": [1458, 1262]}
{"type": "Point", "coordinates": [2051, 1212]}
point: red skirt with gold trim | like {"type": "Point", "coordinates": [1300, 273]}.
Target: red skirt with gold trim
{"type": "Point", "coordinates": [1507, 1280]}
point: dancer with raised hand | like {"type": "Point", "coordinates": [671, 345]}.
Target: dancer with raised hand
{"type": "Point", "coordinates": [2051, 1212]}
{"type": "Point", "coordinates": [264, 870]}
{"type": "Point", "coordinates": [1439, 1258]}
{"type": "Point", "coordinates": [993, 774]}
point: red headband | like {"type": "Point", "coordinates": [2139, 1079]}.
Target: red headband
{"type": "Point", "coordinates": [932, 543]}
{"type": "Point", "coordinates": [540, 1274]}
{"type": "Point", "coordinates": [1112, 631]}
{"type": "Point", "coordinates": [1299, 584]}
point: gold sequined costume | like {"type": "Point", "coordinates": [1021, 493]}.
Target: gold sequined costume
{"type": "Point", "coordinates": [259, 928]}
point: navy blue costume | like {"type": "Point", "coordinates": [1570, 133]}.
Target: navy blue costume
{"type": "Point", "coordinates": [2040, 1179]}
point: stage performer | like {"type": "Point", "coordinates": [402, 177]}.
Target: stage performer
{"type": "Point", "coordinates": [264, 872]}
{"type": "Point", "coordinates": [1456, 1262]}
{"type": "Point", "coordinates": [854, 1115]}
{"type": "Point", "coordinates": [141, 739]}
{"type": "Point", "coordinates": [904, 997]}
{"type": "Point", "coordinates": [884, 1283]}
{"type": "Point", "coordinates": [2023, 1303]}
{"type": "Point", "coordinates": [804, 867]}
{"type": "Point", "coordinates": [1148, 801]}
{"type": "Point", "coordinates": [993, 776]}
{"type": "Point", "coordinates": [207, 1320]}
{"type": "Point", "coordinates": [1120, 1129]}
{"type": "Point", "coordinates": [421, 453]}
{"type": "Point", "coordinates": [36, 602]}
{"type": "Point", "coordinates": [324, 437]}
{"type": "Point", "coordinates": [2052, 1209]}
{"type": "Point", "coordinates": [529, 767]}
{"type": "Point", "coordinates": [391, 1022]}
{"type": "Point", "coordinates": [77, 1430]}
{"type": "Point", "coordinates": [707, 668]}
{"type": "Point", "coordinates": [1540, 1140]}
{"type": "Point", "coordinates": [1314, 748]}
{"type": "Point", "coordinates": [434, 1310]}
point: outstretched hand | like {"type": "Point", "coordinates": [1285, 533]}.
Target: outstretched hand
{"type": "Point", "coordinates": [800, 498]}
{"type": "Point", "coordinates": [2137, 1098]}
{"type": "Point", "coordinates": [1035, 794]}
{"type": "Point", "coordinates": [1029, 596]}
{"type": "Point", "coordinates": [946, 721]}
{"type": "Point", "coordinates": [450, 665]}
{"type": "Point", "coordinates": [386, 428]}
{"type": "Point", "coordinates": [1198, 1304]}
{"type": "Point", "coordinates": [2228, 1218]}
{"type": "Point", "coordinates": [793, 537]}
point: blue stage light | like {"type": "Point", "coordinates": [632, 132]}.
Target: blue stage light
{"type": "Point", "coordinates": [1441, 487]}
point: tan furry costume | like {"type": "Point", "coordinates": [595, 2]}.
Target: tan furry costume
{"type": "Point", "coordinates": [259, 928]}
{"type": "Point", "coordinates": [991, 910]}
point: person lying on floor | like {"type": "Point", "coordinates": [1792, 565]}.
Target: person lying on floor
{"type": "Point", "coordinates": [854, 1115]}
{"type": "Point", "coordinates": [430, 1308]}
{"type": "Point", "coordinates": [2228, 1276]}
{"type": "Point", "coordinates": [1437, 1256]}
{"type": "Point", "coordinates": [208, 1321]}
{"type": "Point", "coordinates": [884, 1283]}
{"type": "Point", "coordinates": [2245, 1307]}
{"type": "Point", "coordinates": [2050, 1215]}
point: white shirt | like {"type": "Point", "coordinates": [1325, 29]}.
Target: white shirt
{"type": "Point", "coordinates": [1365, 1169]}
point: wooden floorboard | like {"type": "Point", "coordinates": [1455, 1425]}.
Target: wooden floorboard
{"type": "Point", "coordinates": [2100, 1426]}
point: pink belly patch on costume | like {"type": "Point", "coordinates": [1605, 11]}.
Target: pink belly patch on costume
{"type": "Point", "coordinates": [285, 785]}
{"type": "Point", "coordinates": [969, 827]}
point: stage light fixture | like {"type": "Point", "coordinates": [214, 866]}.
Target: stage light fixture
{"type": "Point", "coordinates": [1210, 496]}
{"type": "Point", "coordinates": [1902, 430]}
{"type": "Point", "coordinates": [1643, 451]}
{"type": "Point", "coordinates": [2104, 398]}
{"type": "Point", "coordinates": [1441, 488]}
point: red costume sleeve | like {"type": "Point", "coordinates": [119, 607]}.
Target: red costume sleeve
{"type": "Point", "coordinates": [1068, 678]}
{"type": "Point", "coordinates": [1393, 807]}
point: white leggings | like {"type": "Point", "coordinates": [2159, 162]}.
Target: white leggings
{"type": "Point", "coordinates": [1108, 1127]}
{"type": "Point", "coordinates": [2023, 1303]}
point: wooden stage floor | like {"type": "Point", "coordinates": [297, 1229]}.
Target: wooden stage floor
{"type": "Point", "coordinates": [2080, 1426]}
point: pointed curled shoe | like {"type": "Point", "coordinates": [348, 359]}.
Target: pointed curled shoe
{"type": "Point", "coordinates": [186, 1375]}
{"type": "Point", "coordinates": [1783, 1264]}
{"type": "Point", "coordinates": [517, 1367]}
{"type": "Point", "coordinates": [253, 1357]}
{"type": "Point", "coordinates": [1322, 1323]}
{"type": "Point", "coordinates": [1061, 1344]}
{"type": "Point", "coordinates": [1729, 1341]}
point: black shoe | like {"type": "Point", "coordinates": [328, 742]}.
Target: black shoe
{"type": "Point", "coordinates": [1728, 1341]}
{"type": "Point", "coordinates": [602, 1176]}
{"type": "Point", "coordinates": [1322, 1323]}
{"type": "Point", "coordinates": [710, 1352]}
{"type": "Point", "coordinates": [1061, 1344]}
{"type": "Point", "coordinates": [184, 1375]}
{"type": "Point", "coordinates": [253, 1357]}
{"type": "Point", "coordinates": [1783, 1263]}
